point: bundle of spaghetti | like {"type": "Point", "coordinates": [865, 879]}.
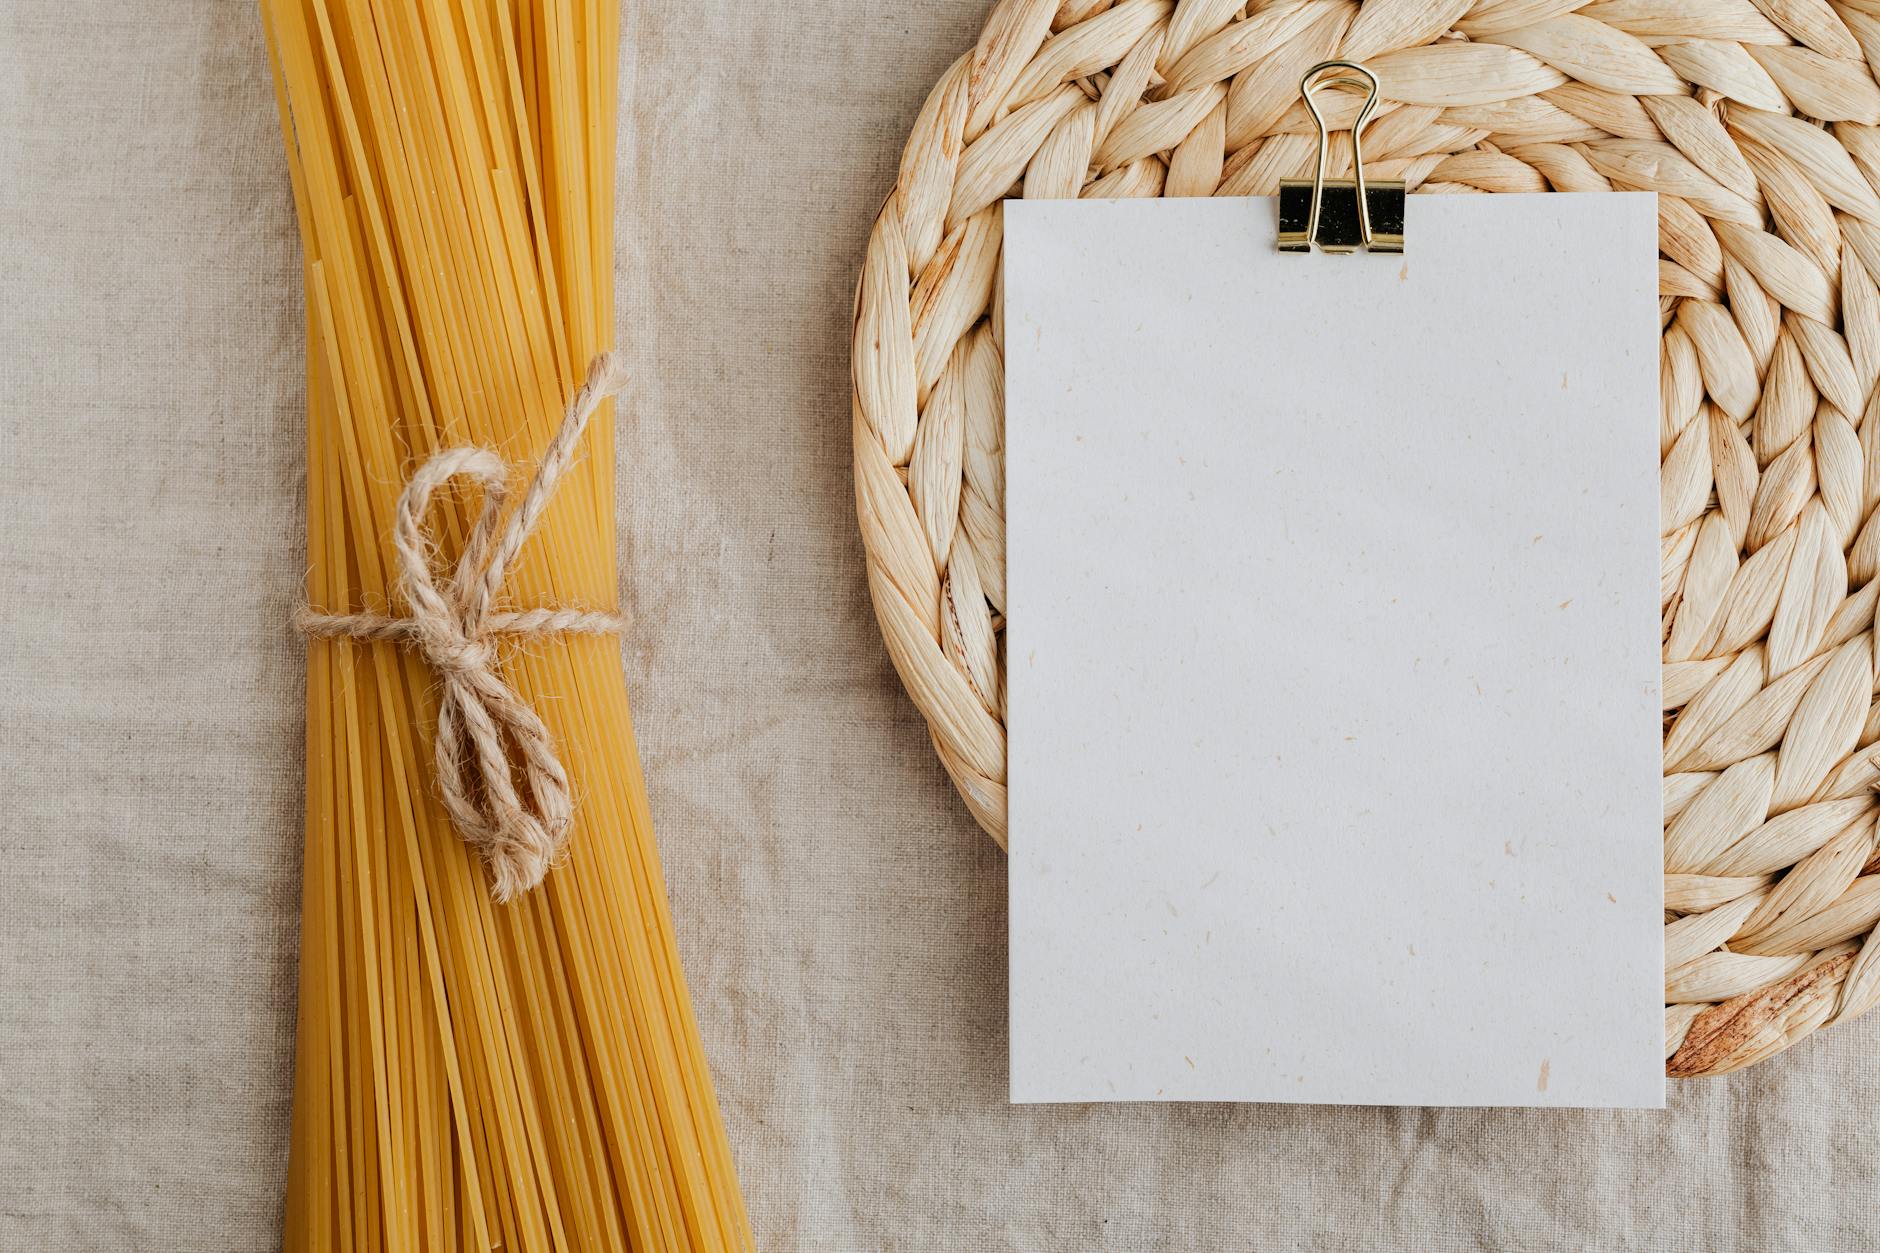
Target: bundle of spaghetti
{"type": "Point", "coordinates": [524, 1074]}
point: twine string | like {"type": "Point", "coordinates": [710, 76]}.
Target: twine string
{"type": "Point", "coordinates": [518, 830]}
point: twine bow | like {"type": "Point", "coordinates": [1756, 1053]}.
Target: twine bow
{"type": "Point", "coordinates": [480, 719]}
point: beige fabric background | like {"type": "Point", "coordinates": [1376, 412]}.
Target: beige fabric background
{"type": "Point", "coordinates": [841, 916]}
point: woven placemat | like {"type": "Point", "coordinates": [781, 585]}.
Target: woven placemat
{"type": "Point", "coordinates": [1754, 121]}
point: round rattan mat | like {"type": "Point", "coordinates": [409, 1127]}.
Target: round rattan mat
{"type": "Point", "coordinates": [1757, 122]}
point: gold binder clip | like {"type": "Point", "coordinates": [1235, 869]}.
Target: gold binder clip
{"type": "Point", "coordinates": [1340, 214]}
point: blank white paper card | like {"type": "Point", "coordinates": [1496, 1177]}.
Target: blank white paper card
{"type": "Point", "coordinates": [1333, 655]}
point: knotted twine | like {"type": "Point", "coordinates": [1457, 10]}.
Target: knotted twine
{"type": "Point", "coordinates": [454, 627]}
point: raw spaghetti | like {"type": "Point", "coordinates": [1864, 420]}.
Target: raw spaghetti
{"type": "Point", "coordinates": [525, 1075]}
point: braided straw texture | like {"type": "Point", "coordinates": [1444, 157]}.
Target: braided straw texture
{"type": "Point", "coordinates": [1757, 122]}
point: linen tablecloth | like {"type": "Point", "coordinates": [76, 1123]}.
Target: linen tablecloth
{"type": "Point", "coordinates": [841, 917]}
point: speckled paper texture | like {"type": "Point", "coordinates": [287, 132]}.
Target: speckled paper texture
{"type": "Point", "coordinates": [1334, 656]}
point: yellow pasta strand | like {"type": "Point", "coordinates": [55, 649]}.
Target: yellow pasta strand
{"type": "Point", "coordinates": [469, 1075]}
